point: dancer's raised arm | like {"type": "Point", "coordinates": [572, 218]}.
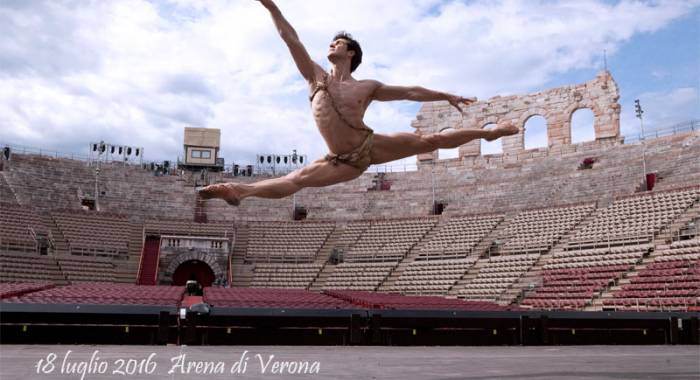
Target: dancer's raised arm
{"type": "Point", "coordinates": [419, 94]}
{"type": "Point", "coordinates": [306, 66]}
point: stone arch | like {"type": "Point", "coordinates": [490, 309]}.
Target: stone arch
{"type": "Point", "coordinates": [555, 105]}
{"type": "Point", "coordinates": [207, 258]}
{"type": "Point", "coordinates": [581, 133]}
{"type": "Point", "coordinates": [584, 103]}
{"type": "Point", "coordinates": [490, 147]}
{"type": "Point", "coordinates": [525, 117]}
{"type": "Point", "coordinates": [447, 154]}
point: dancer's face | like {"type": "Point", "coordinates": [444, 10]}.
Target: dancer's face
{"type": "Point", "coordinates": [339, 49]}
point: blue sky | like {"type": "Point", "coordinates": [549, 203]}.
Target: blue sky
{"type": "Point", "coordinates": [133, 72]}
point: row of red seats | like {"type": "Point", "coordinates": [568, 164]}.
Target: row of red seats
{"type": "Point", "coordinates": [103, 293]}
{"type": "Point", "coordinates": [271, 298]}
{"type": "Point", "coordinates": [397, 301]}
{"type": "Point", "coordinates": [15, 289]}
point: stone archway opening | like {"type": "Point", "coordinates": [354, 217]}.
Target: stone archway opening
{"type": "Point", "coordinates": [582, 130]}
{"type": "Point", "coordinates": [535, 133]}
{"type": "Point", "coordinates": [445, 154]}
{"type": "Point", "coordinates": [196, 270]}
{"type": "Point", "coordinates": [491, 147]}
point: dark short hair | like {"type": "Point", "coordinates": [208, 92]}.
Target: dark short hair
{"type": "Point", "coordinates": [352, 45]}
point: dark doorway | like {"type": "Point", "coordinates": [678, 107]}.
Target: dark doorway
{"type": "Point", "coordinates": [193, 270]}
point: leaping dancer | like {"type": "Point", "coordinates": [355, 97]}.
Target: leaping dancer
{"type": "Point", "coordinates": [338, 104]}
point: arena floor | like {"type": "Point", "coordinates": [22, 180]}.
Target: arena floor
{"type": "Point", "coordinates": [405, 363]}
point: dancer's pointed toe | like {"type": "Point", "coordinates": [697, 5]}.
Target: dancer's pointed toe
{"type": "Point", "coordinates": [225, 191]}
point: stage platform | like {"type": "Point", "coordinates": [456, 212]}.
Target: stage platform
{"type": "Point", "coordinates": [33, 323]}
{"type": "Point", "coordinates": [387, 363]}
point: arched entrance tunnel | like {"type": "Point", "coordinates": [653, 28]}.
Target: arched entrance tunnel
{"type": "Point", "coordinates": [193, 270]}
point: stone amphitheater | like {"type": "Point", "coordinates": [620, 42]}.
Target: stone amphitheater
{"type": "Point", "coordinates": [566, 227]}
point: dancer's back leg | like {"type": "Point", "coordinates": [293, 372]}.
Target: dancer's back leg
{"type": "Point", "coordinates": [317, 174]}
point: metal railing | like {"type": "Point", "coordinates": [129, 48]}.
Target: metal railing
{"type": "Point", "coordinates": [687, 126]}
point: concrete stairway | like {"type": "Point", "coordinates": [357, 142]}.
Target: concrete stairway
{"type": "Point", "coordinates": [58, 241]}
{"type": "Point", "coordinates": [241, 272]}
{"type": "Point", "coordinates": [323, 256]}
{"type": "Point", "coordinates": [482, 248]}
{"type": "Point", "coordinates": [331, 242]}
{"type": "Point", "coordinates": [533, 277]}
{"type": "Point", "coordinates": [320, 280]}
{"type": "Point", "coordinates": [411, 256]}
{"type": "Point", "coordinates": [662, 242]}
{"type": "Point", "coordinates": [467, 278]}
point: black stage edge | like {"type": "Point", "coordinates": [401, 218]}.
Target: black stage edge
{"type": "Point", "coordinates": [131, 324]}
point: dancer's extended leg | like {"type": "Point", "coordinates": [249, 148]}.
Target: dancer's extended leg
{"type": "Point", "coordinates": [317, 174]}
{"type": "Point", "coordinates": [401, 145]}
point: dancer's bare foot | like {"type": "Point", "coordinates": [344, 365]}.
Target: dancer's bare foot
{"type": "Point", "coordinates": [226, 191]}
{"type": "Point", "coordinates": [505, 129]}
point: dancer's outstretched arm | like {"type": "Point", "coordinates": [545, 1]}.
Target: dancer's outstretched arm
{"type": "Point", "coordinates": [419, 94]}
{"type": "Point", "coordinates": [306, 66]}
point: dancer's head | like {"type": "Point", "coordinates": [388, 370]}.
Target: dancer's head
{"type": "Point", "coordinates": [345, 47]}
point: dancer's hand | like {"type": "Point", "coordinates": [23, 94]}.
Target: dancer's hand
{"type": "Point", "coordinates": [455, 101]}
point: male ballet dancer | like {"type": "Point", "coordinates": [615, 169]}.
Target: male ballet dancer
{"type": "Point", "coordinates": [338, 103]}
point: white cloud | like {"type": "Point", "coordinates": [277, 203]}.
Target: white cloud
{"type": "Point", "coordinates": [137, 72]}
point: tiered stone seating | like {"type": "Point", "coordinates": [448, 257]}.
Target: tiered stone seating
{"type": "Point", "coordinates": [635, 219]}
{"type": "Point", "coordinates": [275, 275]}
{"type": "Point", "coordinates": [671, 282]}
{"type": "Point", "coordinates": [538, 230]}
{"type": "Point", "coordinates": [570, 279]}
{"type": "Point", "coordinates": [432, 276]}
{"type": "Point", "coordinates": [375, 300]}
{"type": "Point", "coordinates": [359, 276]}
{"type": "Point", "coordinates": [103, 293]}
{"type": "Point", "coordinates": [94, 234]}
{"type": "Point", "coordinates": [499, 273]}
{"type": "Point", "coordinates": [187, 227]}
{"type": "Point", "coordinates": [286, 241]}
{"type": "Point", "coordinates": [29, 267]}
{"type": "Point", "coordinates": [49, 183]}
{"type": "Point", "coordinates": [459, 236]}
{"type": "Point", "coordinates": [16, 224]}
{"type": "Point", "coordinates": [16, 289]}
{"type": "Point", "coordinates": [351, 233]}
{"type": "Point", "coordinates": [6, 193]}
{"type": "Point", "coordinates": [675, 160]}
{"type": "Point", "coordinates": [387, 240]}
{"type": "Point", "coordinates": [86, 269]}
{"type": "Point", "coordinates": [271, 298]}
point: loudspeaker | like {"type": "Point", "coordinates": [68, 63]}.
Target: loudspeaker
{"type": "Point", "coordinates": [121, 150]}
{"type": "Point", "coordinates": [94, 147]}
{"type": "Point", "coordinates": [249, 170]}
{"type": "Point", "coordinates": [6, 152]}
{"type": "Point", "coordinates": [235, 170]}
{"type": "Point", "coordinates": [138, 151]}
{"type": "Point", "coordinates": [128, 151]}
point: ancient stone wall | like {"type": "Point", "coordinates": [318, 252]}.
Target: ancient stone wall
{"type": "Point", "coordinates": [600, 95]}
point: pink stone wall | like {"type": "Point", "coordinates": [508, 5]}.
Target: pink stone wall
{"type": "Point", "coordinates": [556, 105]}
